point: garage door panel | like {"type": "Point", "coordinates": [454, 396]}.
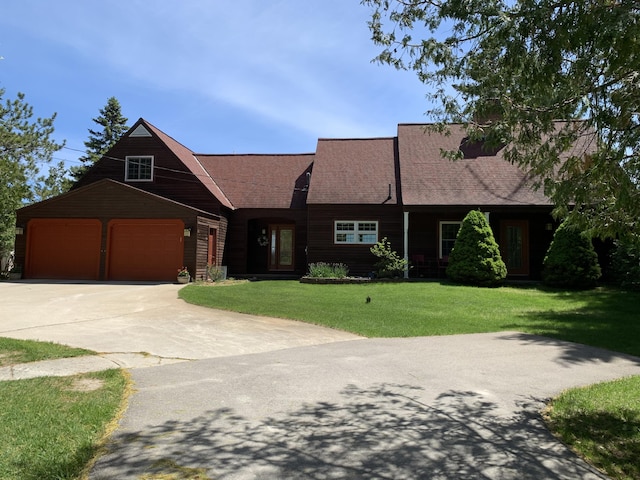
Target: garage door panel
{"type": "Point", "coordinates": [150, 250]}
{"type": "Point", "coordinates": [64, 249]}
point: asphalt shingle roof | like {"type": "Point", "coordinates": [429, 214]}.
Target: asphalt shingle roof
{"type": "Point", "coordinates": [429, 179]}
{"type": "Point", "coordinates": [354, 171]}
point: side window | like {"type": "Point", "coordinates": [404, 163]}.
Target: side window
{"type": "Point", "coordinates": [138, 169]}
{"type": "Point", "coordinates": [448, 233]}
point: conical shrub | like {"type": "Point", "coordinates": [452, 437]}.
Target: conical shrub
{"type": "Point", "coordinates": [571, 260]}
{"type": "Point", "coordinates": [475, 258]}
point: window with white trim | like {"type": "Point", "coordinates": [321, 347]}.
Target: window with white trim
{"type": "Point", "coordinates": [355, 232]}
{"type": "Point", "coordinates": [138, 169]}
{"type": "Point", "coordinates": [448, 234]}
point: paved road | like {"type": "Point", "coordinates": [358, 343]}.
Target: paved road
{"type": "Point", "coordinates": [463, 406]}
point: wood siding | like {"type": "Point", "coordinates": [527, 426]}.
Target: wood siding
{"type": "Point", "coordinates": [171, 179]}
{"type": "Point", "coordinates": [202, 248]}
{"type": "Point", "coordinates": [359, 259]}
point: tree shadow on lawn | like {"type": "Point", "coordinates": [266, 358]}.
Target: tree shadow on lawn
{"type": "Point", "coordinates": [608, 319]}
{"type": "Point", "coordinates": [386, 431]}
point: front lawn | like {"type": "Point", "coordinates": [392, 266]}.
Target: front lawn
{"type": "Point", "coordinates": [602, 422]}
{"type": "Point", "coordinates": [604, 317]}
{"type": "Point", "coordinates": [51, 427]}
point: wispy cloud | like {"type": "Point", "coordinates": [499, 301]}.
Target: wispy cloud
{"type": "Point", "coordinates": [304, 65]}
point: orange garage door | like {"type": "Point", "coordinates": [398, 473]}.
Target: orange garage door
{"type": "Point", "coordinates": [63, 249]}
{"type": "Point", "coordinates": [150, 250]}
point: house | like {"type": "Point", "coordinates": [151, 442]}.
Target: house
{"type": "Point", "coordinates": [151, 205]}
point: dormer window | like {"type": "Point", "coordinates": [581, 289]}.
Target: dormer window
{"type": "Point", "coordinates": [139, 169]}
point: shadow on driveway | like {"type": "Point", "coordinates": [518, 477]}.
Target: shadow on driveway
{"type": "Point", "coordinates": [386, 431]}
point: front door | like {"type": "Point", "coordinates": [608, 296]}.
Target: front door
{"type": "Point", "coordinates": [514, 246]}
{"type": "Point", "coordinates": [281, 247]}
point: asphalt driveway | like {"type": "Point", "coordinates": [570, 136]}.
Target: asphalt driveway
{"type": "Point", "coordinates": [339, 406]}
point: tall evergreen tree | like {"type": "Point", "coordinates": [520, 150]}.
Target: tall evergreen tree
{"type": "Point", "coordinates": [25, 144]}
{"type": "Point", "coordinates": [113, 124]}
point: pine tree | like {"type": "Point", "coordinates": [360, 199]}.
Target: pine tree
{"type": "Point", "coordinates": [113, 124]}
{"type": "Point", "coordinates": [475, 258]}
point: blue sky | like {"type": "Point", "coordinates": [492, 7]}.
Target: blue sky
{"type": "Point", "coordinates": [241, 76]}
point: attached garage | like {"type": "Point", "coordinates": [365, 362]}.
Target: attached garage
{"type": "Point", "coordinates": [64, 249]}
{"type": "Point", "coordinates": [143, 249]}
{"type": "Point", "coordinates": [115, 232]}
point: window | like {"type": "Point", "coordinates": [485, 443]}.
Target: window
{"type": "Point", "coordinates": [448, 234]}
{"type": "Point", "coordinates": [351, 231]}
{"type": "Point", "coordinates": [139, 169]}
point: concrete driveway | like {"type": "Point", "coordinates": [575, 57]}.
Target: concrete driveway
{"type": "Point", "coordinates": [464, 406]}
{"type": "Point", "coordinates": [143, 324]}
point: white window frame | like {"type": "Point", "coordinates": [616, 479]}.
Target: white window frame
{"type": "Point", "coordinates": [129, 158]}
{"type": "Point", "coordinates": [440, 239]}
{"type": "Point", "coordinates": [360, 228]}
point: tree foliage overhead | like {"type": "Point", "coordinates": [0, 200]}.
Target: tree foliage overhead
{"type": "Point", "coordinates": [511, 69]}
{"type": "Point", "coordinates": [113, 124]}
{"type": "Point", "coordinates": [25, 144]}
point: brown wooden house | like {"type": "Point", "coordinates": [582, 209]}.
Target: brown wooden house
{"type": "Point", "coordinates": [151, 206]}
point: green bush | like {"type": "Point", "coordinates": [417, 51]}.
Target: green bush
{"type": "Point", "coordinates": [571, 260]}
{"type": "Point", "coordinates": [475, 258]}
{"type": "Point", "coordinates": [625, 262]}
{"type": "Point", "coordinates": [215, 273]}
{"type": "Point", "coordinates": [389, 263]}
{"type": "Point", "coordinates": [328, 270]}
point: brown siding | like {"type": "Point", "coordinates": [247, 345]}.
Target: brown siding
{"type": "Point", "coordinates": [358, 258]}
{"type": "Point", "coordinates": [204, 224]}
{"type": "Point", "coordinates": [171, 179]}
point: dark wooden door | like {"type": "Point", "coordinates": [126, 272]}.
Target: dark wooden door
{"type": "Point", "coordinates": [514, 246]}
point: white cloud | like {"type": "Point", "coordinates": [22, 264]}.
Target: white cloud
{"type": "Point", "coordinates": [303, 64]}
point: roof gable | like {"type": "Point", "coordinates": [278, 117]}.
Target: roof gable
{"type": "Point", "coordinates": [188, 158]}
{"type": "Point", "coordinates": [354, 171]}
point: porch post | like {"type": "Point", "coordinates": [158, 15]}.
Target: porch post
{"type": "Point", "coordinates": [406, 243]}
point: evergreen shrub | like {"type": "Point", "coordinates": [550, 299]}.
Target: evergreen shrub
{"type": "Point", "coordinates": [625, 262]}
{"type": "Point", "coordinates": [571, 261]}
{"type": "Point", "coordinates": [475, 258]}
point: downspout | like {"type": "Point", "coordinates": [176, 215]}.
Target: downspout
{"type": "Point", "coordinates": [406, 243]}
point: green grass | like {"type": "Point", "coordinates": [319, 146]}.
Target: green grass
{"type": "Point", "coordinates": [602, 423]}
{"type": "Point", "coordinates": [14, 351]}
{"type": "Point", "coordinates": [51, 430]}
{"type": "Point", "coordinates": [51, 427]}
{"type": "Point", "coordinates": [604, 317]}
